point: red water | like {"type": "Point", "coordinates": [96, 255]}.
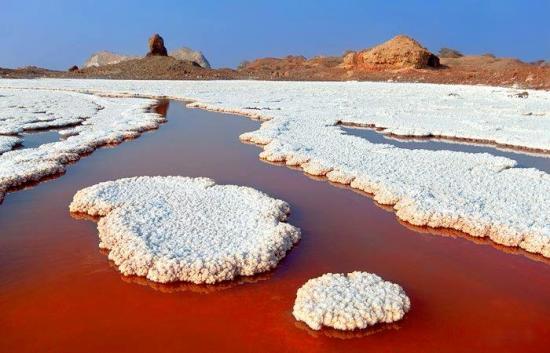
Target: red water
{"type": "Point", "coordinates": [59, 293]}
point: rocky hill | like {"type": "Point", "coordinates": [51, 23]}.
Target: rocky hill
{"type": "Point", "coordinates": [294, 68]}
{"type": "Point", "coordinates": [401, 59]}
{"type": "Point", "coordinates": [400, 52]}
{"type": "Point", "coordinates": [103, 58]}
{"type": "Point", "coordinates": [155, 68]}
{"type": "Point", "coordinates": [190, 55]}
{"type": "Point", "coordinates": [106, 58]}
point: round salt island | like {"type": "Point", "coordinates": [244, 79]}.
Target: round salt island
{"type": "Point", "coordinates": [347, 302]}
{"type": "Point", "coordinates": [187, 229]}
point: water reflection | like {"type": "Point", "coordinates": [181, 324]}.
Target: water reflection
{"type": "Point", "coordinates": [347, 335]}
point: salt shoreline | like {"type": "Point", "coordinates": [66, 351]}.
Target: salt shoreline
{"type": "Point", "coordinates": [478, 194]}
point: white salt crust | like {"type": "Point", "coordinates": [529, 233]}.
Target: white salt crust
{"type": "Point", "coordinates": [479, 194]}
{"type": "Point", "coordinates": [24, 110]}
{"type": "Point", "coordinates": [492, 114]}
{"type": "Point", "coordinates": [100, 121]}
{"type": "Point", "coordinates": [187, 229]}
{"type": "Point", "coordinates": [348, 302]}
{"type": "Point", "coordinates": [8, 142]}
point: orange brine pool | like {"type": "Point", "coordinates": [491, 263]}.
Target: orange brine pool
{"type": "Point", "coordinates": [59, 293]}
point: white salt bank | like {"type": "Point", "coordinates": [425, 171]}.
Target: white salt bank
{"type": "Point", "coordinates": [88, 122]}
{"type": "Point", "coordinates": [475, 193]}
{"type": "Point", "coordinates": [347, 302]}
{"type": "Point", "coordinates": [8, 142]}
{"type": "Point", "coordinates": [188, 229]}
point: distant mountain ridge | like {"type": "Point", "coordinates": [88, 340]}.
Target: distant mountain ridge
{"type": "Point", "coordinates": [105, 57]}
{"type": "Point", "coordinates": [400, 59]}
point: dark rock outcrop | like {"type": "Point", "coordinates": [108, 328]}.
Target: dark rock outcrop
{"type": "Point", "coordinates": [156, 46]}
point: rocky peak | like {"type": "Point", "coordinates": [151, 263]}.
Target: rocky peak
{"type": "Point", "coordinates": [156, 46]}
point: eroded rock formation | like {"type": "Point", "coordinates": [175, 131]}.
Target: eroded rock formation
{"type": "Point", "coordinates": [398, 53]}
{"type": "Point", "coordinates": [156, 46]}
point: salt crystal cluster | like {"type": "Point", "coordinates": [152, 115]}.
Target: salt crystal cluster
{"type": "Point", "coordinates": [347, 302]}
{"type": "Point", "coordinates": [187, 229]}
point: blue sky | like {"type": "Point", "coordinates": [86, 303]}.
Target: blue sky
{"type": "Point", "coordinates": [60, 33]}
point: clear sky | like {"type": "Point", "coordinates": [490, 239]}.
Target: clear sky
{"type": "Point", "coordinates": [61, 33]}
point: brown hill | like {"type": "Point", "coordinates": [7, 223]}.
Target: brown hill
{"type": "Point", "coordinates": [156, 68]}
{"type": "Point", "coordinates": [294, 68]}
{"type": "Point", "coordinates": [28, 72]}
{"type": "Point", "coordinates": [148, 68]}
{"type": "Point", "coordinates": [399, 52]}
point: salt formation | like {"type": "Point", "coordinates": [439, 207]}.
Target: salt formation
{"type": "Point", "coordinates": [479, 194]}
{"type": "Point", "coordinates": [187, 229]}
{"type": "Point", "coordinates": [8, 142]}
{"type": "Point", "coordinates": [480, 113]}
{"type": "Point", "coordinates": [94, 121]}
{"type": "Point", "coordinates": [27, 110]}
{"type": "Point", "coordinates": [347, 302]}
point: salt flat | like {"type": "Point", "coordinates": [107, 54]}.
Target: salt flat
{"type": "Point", "coordinates": [92, 122]}
{"type": "Point", "coordinates": [482, 195]}
{"type": "Point", "coordinates": [410, 109]}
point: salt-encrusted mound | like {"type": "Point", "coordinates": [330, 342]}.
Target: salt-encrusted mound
{"type": "Point", "coordinates": [347, 302]}
{"type": "Point", "coordinates": [187, 229]}
{"type": "Point", "coordinates": [93, 121]}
